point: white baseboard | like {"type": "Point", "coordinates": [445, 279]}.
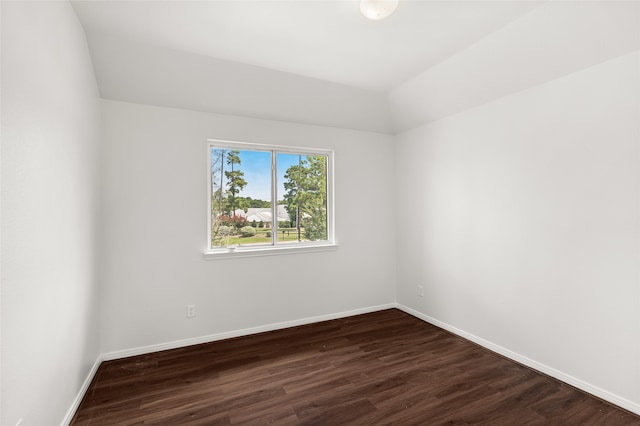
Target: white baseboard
{"type": "Point", "coordinates": [580, 384]}
{"type": "Point", "coordinates": [206, 339]}
{"type": "Point", "coordinates": [239, 333]}
{"type": "Point", "coordinates": [83, 390]}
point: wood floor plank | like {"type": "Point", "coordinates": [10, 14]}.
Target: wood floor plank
{"type": "Point", "coordinates": [383, 368]}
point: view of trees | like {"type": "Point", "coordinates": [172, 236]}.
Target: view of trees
{"type": "Point", "coordinates": [305, 198]}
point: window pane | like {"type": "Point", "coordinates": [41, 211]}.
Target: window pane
{"type": "Point", "coordinates": [240, 197]}
{"type": "Point", "coordinates": [302, 193]}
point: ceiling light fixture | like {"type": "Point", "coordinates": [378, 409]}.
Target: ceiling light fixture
{"type": "Point", "coordinates": [378, 9]}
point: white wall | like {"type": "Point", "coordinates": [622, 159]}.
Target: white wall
{"type": "Point", "coordinates": [530, 230]}
{"type": "Point", "coordinates": [131, 71]}
{"type": "Point", "coordinates": [50, 144]}
{"type": "Point", "coordinates": [154, 230]}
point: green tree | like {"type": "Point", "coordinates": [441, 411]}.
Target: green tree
{"type": "Point", "coordinates": [235, 180]}
{"type": "Point", "coordinates": [306, 196]}
{"type": "Point", "coordinates": [246, 202]}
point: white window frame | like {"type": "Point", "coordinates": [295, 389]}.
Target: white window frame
{"type": "Point", "coordinates": [274, 248]}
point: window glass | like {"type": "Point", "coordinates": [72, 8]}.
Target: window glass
{"type": "Point", "coordinates": [265, 196]}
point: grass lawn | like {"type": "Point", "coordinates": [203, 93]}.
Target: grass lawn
{"type": "Point", "coordinates": [260, 238]}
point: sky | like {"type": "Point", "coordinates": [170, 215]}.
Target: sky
{"type": "Point", "coordinates": [256, 166]}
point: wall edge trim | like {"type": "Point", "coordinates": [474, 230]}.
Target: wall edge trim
{"type": "Point", "coordinates": [207, 339]}
{"type": "Point", "coordinates": [542, 368]}
{"type": "Point", "coordinates": [240, 333]}
{"type": "Point", "coordinates": [83, 390]}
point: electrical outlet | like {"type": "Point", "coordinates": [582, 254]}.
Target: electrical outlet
{"type": "Point", "coordinates": [191, 311]}
{"type": "Point", "coordinates": [420, 291]}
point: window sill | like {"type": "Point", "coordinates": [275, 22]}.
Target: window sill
{"type": "Point", "coordinates": [226, 253]}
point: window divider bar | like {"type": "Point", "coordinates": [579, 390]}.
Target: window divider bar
{"type": "Point", "coordinates": [274, 199]}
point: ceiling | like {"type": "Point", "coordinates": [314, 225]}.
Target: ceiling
{"type": "Point", "coordinates": [321, 62]}
{"type": "Point", "coordinates": [327, 40]}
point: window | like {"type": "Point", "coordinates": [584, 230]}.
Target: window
{"type": "Point", "coordinates": [268, 199]}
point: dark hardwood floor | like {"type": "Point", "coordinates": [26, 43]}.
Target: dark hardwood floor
{"type": "Point", "coordinates": [381, 368]}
